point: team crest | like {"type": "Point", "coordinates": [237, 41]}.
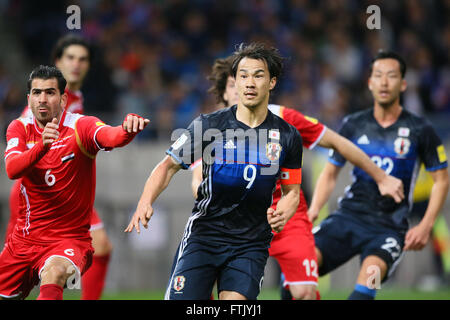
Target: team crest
{"type": "Point", "coordinates": [401, 146]}
{"type": "Point", "coordinates": [273, 151]}
{"type": "Point", "coordinates": [178, 283]}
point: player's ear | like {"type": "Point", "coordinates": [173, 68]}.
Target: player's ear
{"type": "Point", "coordinates": [225, 96]}
{"type": "Point", "coordinates": [404, 85]}
{"type": "Point", "coordinates": [272, 83]}
{"type": "Point", "coordinates": [369, 84]}
{"type": "Point", "coordinates": [64, 100]}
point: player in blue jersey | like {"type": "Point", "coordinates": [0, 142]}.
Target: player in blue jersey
{"type": "Point", "coordinates": [245, 149]}
{"type": "Point", "coordinates": [366, 223]}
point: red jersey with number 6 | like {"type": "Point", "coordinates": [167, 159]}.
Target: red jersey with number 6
{"type": "Point", "coordinates": [57, 193]}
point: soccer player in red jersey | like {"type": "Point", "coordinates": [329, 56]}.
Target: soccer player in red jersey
{"type": "Point", "coordinates": [72, 55]}
{"type": "Point", "coordinates": [53, 153]}
{"type": "Point", "coordinates": [293, 247]}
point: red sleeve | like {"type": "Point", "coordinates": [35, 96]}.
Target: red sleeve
{"type": "Point", "coordinates": [94, 135]}
{"type": "Point", "coordinates": [18, 158]}
{"type": "Point", "coordinates": [310, 129]}
{"type": "Point", "coordinates": [113, 137]}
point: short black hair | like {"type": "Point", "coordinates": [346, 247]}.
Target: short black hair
{"type": "Point", "coordinates": [259, 51]}
{"type": "Point", "coordinates": [388, 54]}
{"type": "Point", "coordinates": [45, 73]}
{"type": "Point", "coordinates": [221, 70]}
{"type": "Point", "coordinates": [68, 40]}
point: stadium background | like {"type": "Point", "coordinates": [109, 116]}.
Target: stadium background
{"type": "Point", "coordinates": [152, 58]}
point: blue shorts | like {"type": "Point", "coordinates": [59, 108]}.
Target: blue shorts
{"type": "Point", "coordinates": [198, 265]}
{"type": "Point", "coordinates": [342, 236]}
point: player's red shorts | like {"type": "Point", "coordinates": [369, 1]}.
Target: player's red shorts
{"type": "Point", "coordinates": [14, 205]}
{"type": "Point", "coordinates": [21, 263]}
{"type": "Point", "coordinates": [293, 248]}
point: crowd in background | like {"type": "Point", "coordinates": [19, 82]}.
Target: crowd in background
{"type": "Point", "coordinates": [153, 57]}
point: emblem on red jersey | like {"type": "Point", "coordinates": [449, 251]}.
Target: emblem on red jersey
{"type": "Point", "coordinates": [273, 151]}
{"type": "Point", "coordinates": [401, 146]}
{"type": "Point", "coordinates": [178, 283]}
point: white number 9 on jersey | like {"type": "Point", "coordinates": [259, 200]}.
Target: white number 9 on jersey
{"type": "Point", "coordinates": [250, 178]}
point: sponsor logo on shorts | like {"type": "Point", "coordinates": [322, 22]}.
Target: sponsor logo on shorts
{"type": "Point", "coordinates": [69, 252]}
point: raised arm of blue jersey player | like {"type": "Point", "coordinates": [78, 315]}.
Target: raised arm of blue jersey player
{"type": "Point", "coordinates": [387, 185]}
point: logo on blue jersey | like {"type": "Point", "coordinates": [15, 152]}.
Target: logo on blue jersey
{"type": "Point", "coordinates": [273, 151]}
{"type": "Point", "coordinates": [401, 146]}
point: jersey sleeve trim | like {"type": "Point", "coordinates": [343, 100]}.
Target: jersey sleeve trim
{"type": "Point", "coordinates": [12, 152]}
{"type": "Point", "coordinates": [315, 143]}
{"type": "Point", "coordinates": [177, 160]}
{"type": "Point", "coordinates": [442, 166]}
{"type": "Point", "coordinates": [336, 163]}
{"type": "Point", "coordinates": [95, 137]}
{"type": "Point", "coordinates": [80, 144]}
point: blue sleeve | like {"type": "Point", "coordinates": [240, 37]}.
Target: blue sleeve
{"type": "Point", "coordinates": [431, 149]}
{"type": "Point", "coordinates": [188, 145]}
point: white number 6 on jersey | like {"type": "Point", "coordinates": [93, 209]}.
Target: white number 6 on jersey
{"type": "Point", "coordinates": [49, 178]}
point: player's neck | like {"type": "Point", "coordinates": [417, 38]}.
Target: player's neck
{"type": "Point", "coordinates": [251, 116]}
{"type": "Point", "coordinates": [386, 116]}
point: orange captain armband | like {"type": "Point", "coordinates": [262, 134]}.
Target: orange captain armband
{"type": "Point", "coordinates": [291, 176]}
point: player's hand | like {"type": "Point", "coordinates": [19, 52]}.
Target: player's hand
{"type": "Point", "coordinates": [417, 237]}
{"type": "Point", "coordinates": [276, 219]}
{"type": "Point", "coordinates": [50, 133]}
{"type": "Point", "coordinates": [392, 187]}
{"type": "Point", "coordinates": [312, 214]}
{"type": "Point", "coordinates": [134, 123]}
{"type": "Point", "coordinates": [142, 215]}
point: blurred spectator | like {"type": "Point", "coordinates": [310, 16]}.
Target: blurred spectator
{"type": "Point", "coordinates": [154, 56]}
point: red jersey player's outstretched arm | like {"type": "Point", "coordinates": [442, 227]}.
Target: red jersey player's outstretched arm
{"type": "Point", "coordinates": [113, 137]}
{"type": "Point", "coordinates": [18, 158]}
{"type": "Point", "coordinates": [94, 135]}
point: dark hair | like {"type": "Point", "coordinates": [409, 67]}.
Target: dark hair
{"type": "Point", "coordinates": [45, 73]}
{"type": "Point", "coordinates": [260, 52]}
{"type": "Point", "coordinates": [387, 54]}
{"type": "Point", "coordinates": [66, 41]}
{"type": "Point", "coordinates": [221, 70]}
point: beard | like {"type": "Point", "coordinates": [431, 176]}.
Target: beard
{"type": "Point", "coordinates": [43, 117]}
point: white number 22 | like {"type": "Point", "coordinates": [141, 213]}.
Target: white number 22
{"type": "Point", "coordinates": [384, 162]}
